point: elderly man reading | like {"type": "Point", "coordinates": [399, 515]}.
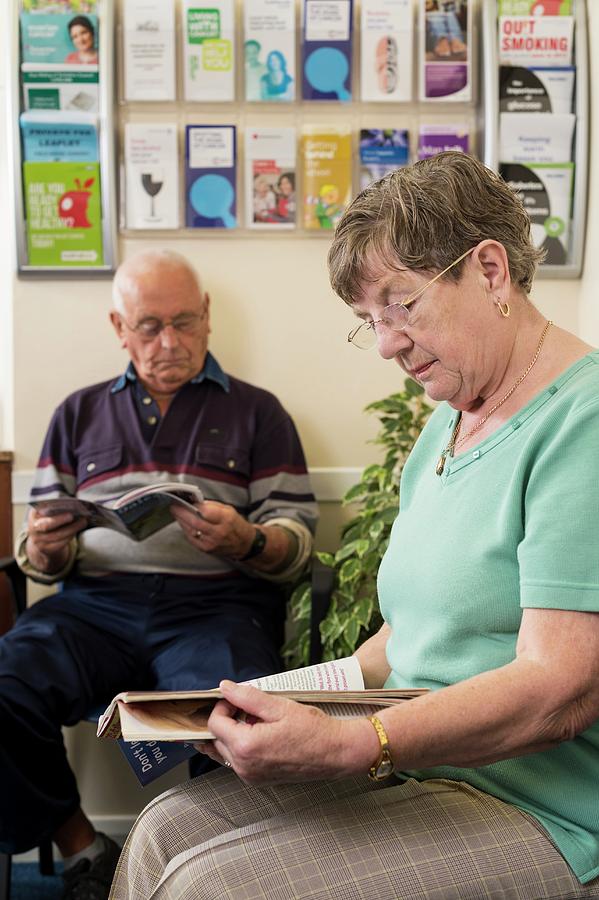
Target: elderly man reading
{"type": "Point", "coordinates": [199, 600]}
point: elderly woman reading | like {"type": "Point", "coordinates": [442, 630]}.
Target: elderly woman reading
{"type": "Point", "coordinates": [488, 785]}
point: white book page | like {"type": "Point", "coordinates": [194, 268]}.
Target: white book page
{"type": "Point", "coordinates": [338, 675]}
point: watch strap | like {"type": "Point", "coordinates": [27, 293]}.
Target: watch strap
{"type": "Point", "coordinates": [383, 767]}
{"type": "Point", "coordinates": [257, 545]}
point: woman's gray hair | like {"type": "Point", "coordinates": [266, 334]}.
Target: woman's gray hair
{"type": "Point", "coordinates": [142, 263]}
{"type": "Point", "coordinates": [424, 216]}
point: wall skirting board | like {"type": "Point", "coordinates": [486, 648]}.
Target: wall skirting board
{"type": "Point", "coordinates": [329, 484]}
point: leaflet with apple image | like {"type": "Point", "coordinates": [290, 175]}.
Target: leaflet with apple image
{"type": "Point", "coordinates": [63, 213]}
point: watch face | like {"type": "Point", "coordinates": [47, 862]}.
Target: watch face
{"type": "Point", "coordinates": [384, 768]}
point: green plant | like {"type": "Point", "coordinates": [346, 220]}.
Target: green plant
{"type": "Point", "coordinates": [354, 613]}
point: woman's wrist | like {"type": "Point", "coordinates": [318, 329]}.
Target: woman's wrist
{"type": "Point", "coordinates": [361, 746]}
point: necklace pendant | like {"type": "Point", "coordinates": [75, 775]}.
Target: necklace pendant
{"type": "Point", "coordinates": [441, 464]}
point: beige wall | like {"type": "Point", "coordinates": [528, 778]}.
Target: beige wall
{"type": "Point", "coordinates": [275, 323]}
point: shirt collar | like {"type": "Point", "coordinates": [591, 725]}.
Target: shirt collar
{"type": "Point", "coordinates": [210, 372]}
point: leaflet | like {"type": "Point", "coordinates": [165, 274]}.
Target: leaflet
{"type": "Point", "coordinates": [536, 90]}
{"type": "Point", "coordinates": [210, 176]}
{"type": "Point", "coordinates": [68, 7]}
{"type": "Point", "coordinates": [546, 191]}
{"type": "Point", "coordinates": [446, 50]}
{"type": "Point", "coordinates": [149, 49]}
{"type": "Point", "coordinates": [536, 40]}
{"type": "Point", "coordinates": [382, 150]}
{"type": "Point", "coordinates": [62, 137]}
{"type": "Point", "coordinates": [433, 139]}
{"type": "Point", "coordinates": [58, 87]}
{"type": "Point", "coordinates": [326, 160]}
{"type": "Point", "coordinates": [542, 138]}
{"type": "Point", "coordinates": [63, 213]}
{"type": "Point", "coordinates": [209, 50]}
{"type": "Point", "coordinates": [387, 35]}
{"type": "Point", "coordinates": [270, 163]}
{"type": "Point", "coordinates": [534, 7]}
{"type": "Point", "coordinates": [151, 175]}
{"type": "Point", "coordinates": [59, 39]}
{"type": "Point", "coordinates": [327, 49]}
{"type": "Point", "coordinates": [269, 50]}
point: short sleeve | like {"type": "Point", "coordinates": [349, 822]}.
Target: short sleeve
{"type": "Point", "coordinates": [559, 554]}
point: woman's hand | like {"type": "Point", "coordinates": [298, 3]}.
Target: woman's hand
{"type": "Point", "coordinates": [288, 742]}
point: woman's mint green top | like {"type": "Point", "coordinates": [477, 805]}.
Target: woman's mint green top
{"type": "Point", "coordinates": [511, 524]}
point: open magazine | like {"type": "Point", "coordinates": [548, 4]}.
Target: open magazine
{"type": "Point", "coordinates": [136, 514]}
{"type": "Point", "coordinates": [146, 723]}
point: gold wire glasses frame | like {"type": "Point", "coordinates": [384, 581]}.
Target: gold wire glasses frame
{"type": "Point", "coordinates": [395, 316]}
{"type": "Point", "coordinates": [149, 329]}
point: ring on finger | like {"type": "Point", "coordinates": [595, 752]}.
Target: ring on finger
{"type": "Point", "coordinates": [227, 763]}
{"type": "Point", "coordinates": [197, 533]}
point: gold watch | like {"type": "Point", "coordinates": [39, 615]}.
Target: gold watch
{"type": "Point", "coordinates": [383, 767]}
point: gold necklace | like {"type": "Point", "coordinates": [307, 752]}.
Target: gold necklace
{"type": "Point", "coordinates": [455, 440]}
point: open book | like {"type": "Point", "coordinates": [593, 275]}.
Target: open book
{"type": "Point", "coordinates": [136, 514]}
{"type": "Point", "coordinates": [335, 687]}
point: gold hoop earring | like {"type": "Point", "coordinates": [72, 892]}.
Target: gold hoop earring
{"type": "Point", "coordinates": [504, 308]}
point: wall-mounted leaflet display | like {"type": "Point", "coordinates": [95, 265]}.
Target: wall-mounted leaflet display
{"type": "Point", "coordinates": [270, 178]}
{"type": "Point", "coordinates": [210, 176]}
{"type": "Point", "coordinates": [269, 50]}
{"type": "Point", "coordinates": [536, 118]}
{"type": "Point", "coordinates": [327, 49]}
{"type": "Point", "coordinates": [62, 157]}
{"type": "Point", "coordinates": [149, 49]}
{"type": "Point", "coordinates": [446, 50]}
{"type": "Point", "coordinates": [209, 50]}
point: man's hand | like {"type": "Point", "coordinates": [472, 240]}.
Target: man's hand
{"type": "Point", "coordinates": [216, 528]}
{"type": "Point", "coordinates": [48, 539]}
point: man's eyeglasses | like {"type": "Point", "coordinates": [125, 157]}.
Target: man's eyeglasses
{"type": "Point", "coordinates": [396, 316]}
{"type": "Point", "coordinates": [149, 329]}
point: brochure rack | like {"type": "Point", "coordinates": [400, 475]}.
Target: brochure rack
{"type": "Point", "coordinates": [437, 118]}
{"type": "Point", "coordinates": [106, 151]}
{"type": "Point", "coordinates": [572, 268]}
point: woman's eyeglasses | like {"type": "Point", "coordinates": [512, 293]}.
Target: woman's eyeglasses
{"type": "Point", "coordinates": [396, 316]}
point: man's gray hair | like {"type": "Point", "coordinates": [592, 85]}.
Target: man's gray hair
{"type": "Point", "coordinates": [143, 262]}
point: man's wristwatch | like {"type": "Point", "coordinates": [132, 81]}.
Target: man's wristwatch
{"type": "Point", "coordinates": [257, 546]}
{"type": "Point", "coordinates": [383, 767]}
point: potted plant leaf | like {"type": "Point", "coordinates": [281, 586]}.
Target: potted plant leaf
{"type": "Point", "coordinates": [353, 614]}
